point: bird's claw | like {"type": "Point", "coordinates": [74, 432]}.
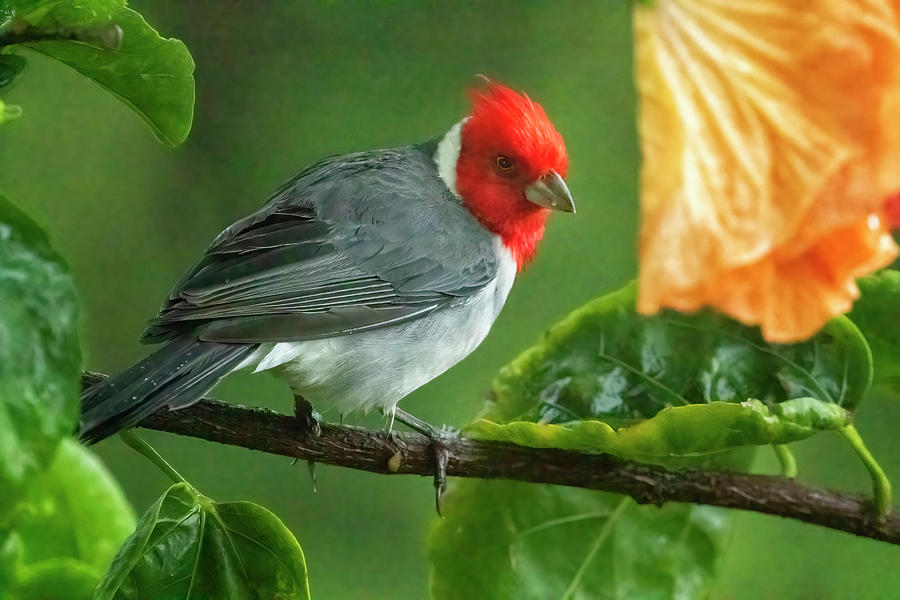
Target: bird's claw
{"type": "Point", "coordinates": [441, 458]}
{"type": "Point", "coordinates": [439, 438]}
{"type": "Point", "coordinates": [311, 465]}
{"type": "Point", "coordinates": [309, 420]}
{"type": "Point", "coordinates": [313, 477]}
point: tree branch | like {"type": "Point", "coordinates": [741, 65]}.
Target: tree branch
{"type": "Point", "coordinates": [409, 454]}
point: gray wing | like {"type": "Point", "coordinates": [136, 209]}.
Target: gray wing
{"type": "Point", "coordinates": [356, 242]}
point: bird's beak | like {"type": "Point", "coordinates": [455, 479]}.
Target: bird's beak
{"type": "Point", "coordinates": [550, 191]}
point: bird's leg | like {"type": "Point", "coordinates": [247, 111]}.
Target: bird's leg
{"type": "Point", "coordinates": [310, 422]}
{"type": "Point", "coordinates": [439, 438]}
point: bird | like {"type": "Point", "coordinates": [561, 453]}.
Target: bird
{"type": "Point", "coordinates": [362, 278]}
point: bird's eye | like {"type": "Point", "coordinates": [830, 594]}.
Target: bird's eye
{"type": "Point", "coordinates": [505, 163]}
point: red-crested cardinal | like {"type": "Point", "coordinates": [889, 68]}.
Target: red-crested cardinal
{"type": "Point", "coordinates": [363, 277]}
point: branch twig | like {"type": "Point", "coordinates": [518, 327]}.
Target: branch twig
{"type": "Point", "coordinates": [409, 454]}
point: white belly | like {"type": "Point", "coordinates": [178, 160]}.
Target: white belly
{"type": "Point", "coordinates": [379, 367]}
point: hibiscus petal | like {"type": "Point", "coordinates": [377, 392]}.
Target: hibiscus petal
{"type": "Point", "coordinates": [769, 140]}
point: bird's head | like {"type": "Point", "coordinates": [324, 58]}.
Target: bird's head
{"type": "Point", "coordinates": [510, 168]}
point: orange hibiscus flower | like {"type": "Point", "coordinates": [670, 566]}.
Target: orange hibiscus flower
{"type": "Point", "coordinates": [770, 132]}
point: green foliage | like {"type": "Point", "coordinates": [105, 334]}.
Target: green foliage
{"type": "Point", "coordinates": [187, 545]}
{"type": "Point", "coordinates": [56, 16]}
{"type": "Point", "coordinates": [606, 361]}
{"type": "Point", "coordinates": [40, 358]}
{"type": "Point", "coordinates": [6, 13]}
{"type": "Point", "coordinates": [75, 510]}
{"type": "Point", "coordinates": [66, 530]}
{"type": "Point", "coordinates": [57, 579]}
{"type": "Point", "coordinates": [877, 314]}
{"type": "Point", "coordinates": [680, 432]}
{"type": "Point", "coordinates": [113, 45]}
{"type": "Point", "coordinates": [519, 541]}
{"type": "Point", "coordinates": [677, 390]}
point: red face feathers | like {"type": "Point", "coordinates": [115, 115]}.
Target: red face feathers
{"type": "Point", "coordinates": [510, 168]}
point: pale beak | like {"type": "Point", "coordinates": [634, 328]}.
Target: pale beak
{"type": "Point", "coordinates": [550, 191]}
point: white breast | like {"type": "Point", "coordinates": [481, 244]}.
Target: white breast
{"type": "Point", "coordinates": [381, 366]}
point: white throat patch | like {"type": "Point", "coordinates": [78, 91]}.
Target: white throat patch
{"type": "Point", "coordinates": [448, 153]}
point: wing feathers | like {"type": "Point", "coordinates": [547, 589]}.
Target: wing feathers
{"type": "Point", "coordinates": [305, 326]}
{"type": "Point", "coordinates": [354, 243]}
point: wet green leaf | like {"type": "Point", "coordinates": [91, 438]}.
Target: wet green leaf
{"type": "Point", "coordinates": [877, 314]}
{"type": "Point", "coordinates": [187, 542]}
{"type": "Point", "coordinates": [607, 361]}
{"type": "Point", "coordinates": [151, 74]}
{"type": "Point", "coordinates": [40, 357]}
{"type": "Point", "coordinates": [681, 432]}
{"type": "Point", "coordinates": [506, 540]}
{"type": "Point", "coordinates": [66, 530]}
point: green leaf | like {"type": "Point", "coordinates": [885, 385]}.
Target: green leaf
{"type": "Point", "coordinates": [55, 16]}
{"type": "Point", "coordinates": [188, 545]}
{"type": "Point", "coordinates": [57, 579]}
{"type": "Point", "coordinates": [681, 432]}
{"type": "Point", "coordinates": [508, 540]}
{"type": "Point", "coordinates": [8, 112]}
{"type": "Point", "coordinates": [10, 551]}
{"type": "Point", "coordinates": [151, 74]}
{"type": "Point", "coordinates": [606, 361]}
{"type": "Point", "coordinates": [877, 314]}
{"type": "Point", "coordinates": [40, 357]}
{"type": "Point", "coordinates": [75, 510]}
{"type": "Point", "coordinates": [11, 66]}
{"type": "Point", "coordinates": [67, 529]}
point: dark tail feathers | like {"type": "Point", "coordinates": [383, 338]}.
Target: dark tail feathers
{"type": "Point", "coordinates": [176, 375]}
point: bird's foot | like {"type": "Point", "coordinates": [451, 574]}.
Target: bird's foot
{"type": "Point", "coordinates": [440, 438]}
{"type": "Point", "coordinates": [307, 419]}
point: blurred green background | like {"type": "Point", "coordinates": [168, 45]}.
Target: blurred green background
{"type": "Point", "coordinates": [282, 84]}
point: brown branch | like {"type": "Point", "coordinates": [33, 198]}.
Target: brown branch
{"type": "Point", "coordinates": [409, 454]}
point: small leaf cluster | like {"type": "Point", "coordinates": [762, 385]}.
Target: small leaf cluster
{"type": "Point", "coordinates": [66, 530]}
